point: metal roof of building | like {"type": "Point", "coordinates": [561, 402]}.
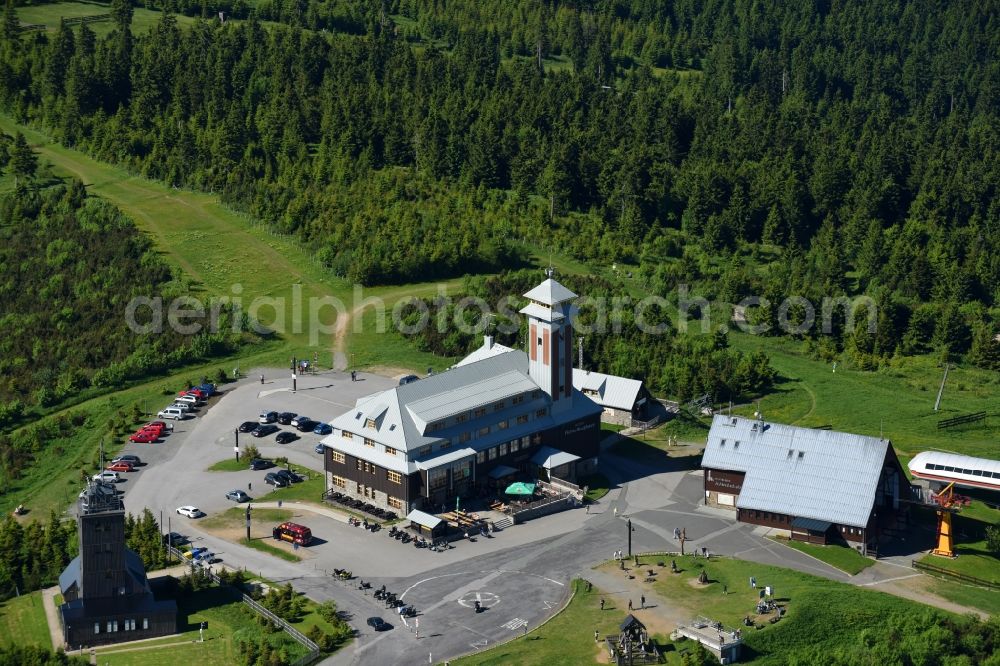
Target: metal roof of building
{"type": "Point", "coordinates": [821, 474]}
{"type": "Point", "coordinates": [541, 312]}
{"type": "Point", "coordinates": [489, 348]}
{"type": "Point", "coordinates": [501, 471]}
{"type": "Point", "coordinates": [550, 458]}
{"type": "Point", "coordinates": [550, 293]}
{"type": "Point", "coordinates": [607, 390]}
{"type": "Point", "coordinates": [403, 413]}
{"type": "Point", "coordinates": [810, 524]}
{"type": "Point", "coordinates": [446, 458]}
{"type": "Point", "coordinates": [424, 519]}
{"type": "Point", "coordinates": [469, 396]}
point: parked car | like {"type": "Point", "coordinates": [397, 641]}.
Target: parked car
{"type": "Point", "coordinates": [156, 425]}
{"type": "Point", "coordinates": [107, 477]}
{"type": "Point", "coordinates": [378, 624]}
{"type": "Point", "coordinates": [290, 477]}
{"type": "Point", "coordinates": [190, 511]}
{"type": "Point", "coordinates": [208, 389]}
{"type": "Point", "coordinates": [144, 436]}
{"type": "Point", "coordinates": [267, 417]}
{"type": "Point", "coordinates": [135, 460]}
{"type": "Point", "coordinates": [272, 479]}
{"type": "Point", "coordinates": [299, 419]}
{"type": "Point", "coordinates": [407, 379]}
{"type": "Point", "coordinates": [247, 426]}
{"type": "Point", "coordinates": [183, 406]}
{"type": "Point", "coordinates": [196, 392]}
{"type": "Point", "coordinates": [284, 437]}
{"type": "Point", "coordinates": [172, 413]}
{"type": "Point", "coordinates": [264, 430]}
{"type": "Point", "coordinates": [323, 429]}
{"type": "Point", "coordinates": [260, 464]}
{"type": "Point", "coordinates": [320, 448]}
{"type": "Point", "coordinates": [120, 466]}
{"type": "Point", "coordinates": [307, 426]}
{"type": "Point", "coordinates": [176, 539]}
{"type": "Point", "coordinates": [187, 397]}
{"type": "Point", "coordinates": [237, 496]}
{"type": "Point", "coordinates": [285, 418]}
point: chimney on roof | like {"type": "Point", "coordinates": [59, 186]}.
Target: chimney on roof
{"type": "Point", "coordinates": [487, 342]}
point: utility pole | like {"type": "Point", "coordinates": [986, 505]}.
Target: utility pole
{"type": "Point", "coordinates": [683, 538]}
{"type": "Point", "coordinates": [937, 403]}
{"type": "Point", "coordinates": [248, 522]}
{"type": "Point", "coordinates": [629, 524]}
{"type": "Point", "coordinates": [579, 343]}
{"type": "Point", "coordinates": [236, 446]}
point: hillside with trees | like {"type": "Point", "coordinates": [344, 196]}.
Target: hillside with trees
{"type": "Point", "coordinates": [816, 149]}
{"type": "Point", "coordinates": [631, 342]}
{"type": "Point", "coordinates": [70, 266]}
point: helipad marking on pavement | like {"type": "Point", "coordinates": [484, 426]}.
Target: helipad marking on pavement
{"type": "Point", "coordinates": [485, 599]}
{"type": "Point", "coordinates": [515, 624]}
{"type": "Point", "coordinates": [480, 644]}
{"type": "Point", "coordinates": [549, 605]}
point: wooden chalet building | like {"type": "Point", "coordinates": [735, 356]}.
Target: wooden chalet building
{"type": "Point", "coordinates": [819, 486]}
{"type": "Point", "coordinates": [421, 445]}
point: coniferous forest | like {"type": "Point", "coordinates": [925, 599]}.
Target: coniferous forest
{"type": "Point", "coordinates": [71, 265]}
{"type": "Point", "coordinates": [767, 148]}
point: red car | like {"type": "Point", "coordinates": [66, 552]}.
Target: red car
{"type": "Point", "coordinates": [198, 393]}
{"type": "Point", "coordinates": [120, 466]}
{"type": "Point", "coordinates": [145, 437]}
{"type": "Point", "coordinates": [159, 430]}
{"type": "Point", "coordinates": [155, 424]}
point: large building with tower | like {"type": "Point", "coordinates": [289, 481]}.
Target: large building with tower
{"type": "Point", "coordinates": [421, 445]}
{"type": "Point", "coordinates": [820, 486]}
{"type": "Point", "coordinates": [107, 597]}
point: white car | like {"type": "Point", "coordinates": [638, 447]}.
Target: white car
{"type": "Point", "coordinates": [190, 399]}
{"type": "Point", "coordinates": [107, 477]}
{"type": "Point", "coordinates": [190, 511]}
{"type": "Point", "coordinates": [183, 406]}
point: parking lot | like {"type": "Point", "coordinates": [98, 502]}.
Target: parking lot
{"type": "Point", "coordinates": [176, 472]}
{"type": "Point", "coordinates": [520, 576]}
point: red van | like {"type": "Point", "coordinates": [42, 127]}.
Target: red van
{"type": "Point", "coordinates": [293, 533]}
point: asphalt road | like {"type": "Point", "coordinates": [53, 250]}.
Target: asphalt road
{"type": "Point", "coordinates": [521, 576]}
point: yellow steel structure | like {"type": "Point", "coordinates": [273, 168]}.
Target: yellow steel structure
{"type": "Point", "coordinates": [947, 507]}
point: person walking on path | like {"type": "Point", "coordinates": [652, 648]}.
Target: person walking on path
{"type": "Point", "coordinates": [250, 486]}
{"type": "Point", "coordinates": [602, 603]}
{"type": "Point", "coordinates": [616, 512]}
{"type": "Point", "coordinates": [642, 602]}
{"type": "Point", "coordinates": [596, 639]}
{"type": "Point", "coordinates": [725, 589]}
{"type": "Point", "coordinates": [630, 605]}
{"type": "Point", "coordinates": [753, 583]}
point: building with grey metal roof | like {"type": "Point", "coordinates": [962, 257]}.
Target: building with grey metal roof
{"type": "Point", "coordinates": [622, 398]}
{"type": "Point", "coordinates": [817, 485]}
{"type": "Point", "coordinates": [428, 442]}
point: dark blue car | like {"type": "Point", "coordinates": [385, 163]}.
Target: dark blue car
{"type": "Point", "coordinates": [323, 429]}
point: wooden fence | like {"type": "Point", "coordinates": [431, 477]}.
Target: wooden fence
{"type": "Point", "coordinates": [296, 635]}
{"type": "Point", "coordinates": [959, 420]}
{"type": "Point", "coordinates": [948, 573]}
